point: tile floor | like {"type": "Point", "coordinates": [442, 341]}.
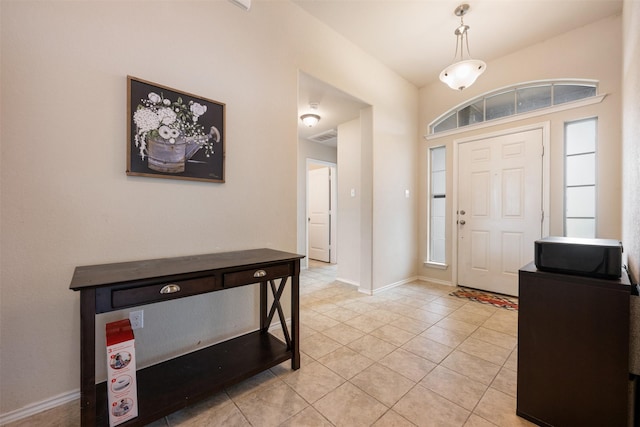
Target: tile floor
{"type": "Point", "coordinates": [409, 356]}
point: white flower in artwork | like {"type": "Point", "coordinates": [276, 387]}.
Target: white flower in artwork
{"type": "Point", "coordinates": [167, 116]}
{"type": "Point", "coordinates": [154, 97]}
{"type": "Point", "coordinates": [146, 119]}
{"type": "Point", "coordinates": [166, 101]}
{"type": "Point", "coordinates": [197, 110]}
{"type": "Point", "coordinates": [165, 132]}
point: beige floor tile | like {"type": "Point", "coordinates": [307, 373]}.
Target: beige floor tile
{"type": "Point", "coordinates": [504, 321]}
{"type": "Point", "coordinates": [313, 381]}
{"type": "Point", "coordinates": [383, 315]}
{"type": "Point", "coordinates": [484, 350]}
{"type": "Point", "coordinates": [451, 301]}
{"type": "Point", "coordinates": [506, 381]}
{"type": "Point", "coordinates": [359, 306]}
{"type": "Point", "coordinates": [494, 337]}
{"type": "Point", "coordinates": [471, 366]}
{"type": "Point", "coordinates": [408, 364]}
{"type": "Point", "coordinates": [344, 334]}
{"type": "Point", "coordinates": [349, 406]}
{"type": "Point", "coordinates": [456, 387]}
{"type": "Point", "coordinates": [317, 322]}
{"type": "Point", "coordinates": [365, 323]}
{"type": "Point", "coordinates": [217, 410]}
{"type": "Point", "coordinates": [372, 347]}
{"type": "Point", "coordinates": [346, 362]}
{"type": "Point", "coordinates": [382, 383]}
{"type": "Point", "coordinates": [436, 307]}
{"type": "Point", "coordinates": [341, 314]}
{"type": "Point", "coordinates": [445, 336]}
{"type": "Point", "coordinates": [270, 406]}
{"type": "Point", "coordinates": [424, 315]}
{"type": "Point", "coordinates": [512, 361]}
{"type": "Point", "coordinates": [480, 308]}
{"type": "Point", "coordinates": [392, 419]}
{"type": "Point", "coordinates": [250, 385]}
{"type": "Point", "coordinates": [309, 417]}
{"type": "Point", "coordinates": [424, 407]}
{"type": "Point", "coordinates": [457, 326]}
{"type": "Point", "coordinates": [428, 349]}
{"type": "Point", "coordinates": [476, 421]}
{"type": "Point", "coordinates": [319, 345]}
{"type": "Point", "coordinates": [500, 409]}
{"type": "Point", "coordinates": [411, 325]}
{"type": "Point", "coordinates": [393, 335]}
{"type": "Point", "coordinates": [470, 316]}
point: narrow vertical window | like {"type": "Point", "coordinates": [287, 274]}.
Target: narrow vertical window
{"type": "Point", "coordinates": [580, 178]}
{"type": "Point", "coordinates": [437, 199]}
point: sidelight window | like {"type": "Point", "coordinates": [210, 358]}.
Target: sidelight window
{"type": "Point", "coordinates": [437, 202]}
{"type": "Point", "coordinates": [580, 178]}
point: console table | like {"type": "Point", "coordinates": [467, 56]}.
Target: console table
{"type": "Point", "coordinates": [179, 382]}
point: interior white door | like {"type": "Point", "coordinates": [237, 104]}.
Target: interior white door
{"type": "Point", "coordinates": [319, 211]}
{"type": "Point", "coordinates": [499, 209]}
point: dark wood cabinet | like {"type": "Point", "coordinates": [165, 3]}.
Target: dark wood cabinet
{"type": "Point", "coordinates": [573, 349]}
{"type": "Point", "coordinates": [177, 383]}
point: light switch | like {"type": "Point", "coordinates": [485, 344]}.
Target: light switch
{"type": "Point", "coordinates": [353, 192]}
{"type": "Point", "coordinates": [406, 193]}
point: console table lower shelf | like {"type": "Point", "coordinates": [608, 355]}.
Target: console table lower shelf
{"type": "Point", "coordinates": [177, 383]}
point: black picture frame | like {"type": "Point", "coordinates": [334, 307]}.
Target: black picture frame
{"type": "Point", "coordinates": [173, 134]}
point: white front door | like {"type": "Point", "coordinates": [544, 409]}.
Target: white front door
{"type": "Point", "coordinates": [319, 213]}
{"type": "Point", "coordinates": [499, 209]}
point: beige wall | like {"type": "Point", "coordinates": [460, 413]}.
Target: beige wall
{"type": "Point", "coordinates": [595, 53]}
{"type": "Point", "coordinates": [631, 134]}
{"type": "Point", "coordinates": [349, 209]}
{"type": "Point", "coordinates": [66, 200]}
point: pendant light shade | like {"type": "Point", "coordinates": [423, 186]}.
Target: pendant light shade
{"type": "Point", "coordinates": [463, 73]}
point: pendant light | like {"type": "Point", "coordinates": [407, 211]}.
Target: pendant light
{"type": "Point", "coordinates": [464, 72]}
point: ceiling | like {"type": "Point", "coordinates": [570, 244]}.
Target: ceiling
{"type": "Point", "coordinates": [415, 38]}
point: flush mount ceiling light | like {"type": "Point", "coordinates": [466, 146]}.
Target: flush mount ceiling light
{"type": "Point", "coordinates": [464, 72]}
{"type": "Point", "coordinates": [310, 119]}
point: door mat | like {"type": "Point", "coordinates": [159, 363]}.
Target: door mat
{"type": "Point", "coordinates": [487, 298]}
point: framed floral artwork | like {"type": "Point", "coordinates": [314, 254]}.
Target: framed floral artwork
{"type": "Point", "coordinates": [173, 134]}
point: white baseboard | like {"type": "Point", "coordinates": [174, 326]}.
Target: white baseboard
{"type": "Point", "coordinates": [348, 282]}
{"type": "Point", "coordinates": [394, 285]}
{"type": "Point", "coordinates": [436, 281]}
{"type": "Point", "coordinates": [36, 408]}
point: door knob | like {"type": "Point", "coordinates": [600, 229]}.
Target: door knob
{"type": "Point", "coordinates": [462, 212]}
{"type": "Point", "coordinates": [462, 222]}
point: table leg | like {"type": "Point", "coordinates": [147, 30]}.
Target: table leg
{"type": "Point", "coordinates": [87, 357]}
{"type": "Point", "coordinates": [295, 316]}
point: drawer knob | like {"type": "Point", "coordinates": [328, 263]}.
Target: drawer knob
{"type": "Point", "coordinates": [170, 289]}
{"type": "Point", "coordinates": [259, 273]}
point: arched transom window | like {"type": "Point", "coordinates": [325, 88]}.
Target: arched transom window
{"type": "Point", "coordinates": [514, 100]}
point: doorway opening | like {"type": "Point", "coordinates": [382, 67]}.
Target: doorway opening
{"type": "Point", "coordinates": [321, 211]}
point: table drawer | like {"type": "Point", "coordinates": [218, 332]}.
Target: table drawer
{"type": "Point", "coordinates": [247, 277]}
{"type": "Point", "coordinates": [162, 292]}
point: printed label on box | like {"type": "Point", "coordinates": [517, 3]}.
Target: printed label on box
{"type": "Point", "coordinates": [121, 372]}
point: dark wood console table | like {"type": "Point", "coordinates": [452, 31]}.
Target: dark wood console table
{"type": "Point", "coordinates": [174, 384]}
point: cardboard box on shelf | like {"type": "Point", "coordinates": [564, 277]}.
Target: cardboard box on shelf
{"type": "Point", "coordinates": [121, 372]}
